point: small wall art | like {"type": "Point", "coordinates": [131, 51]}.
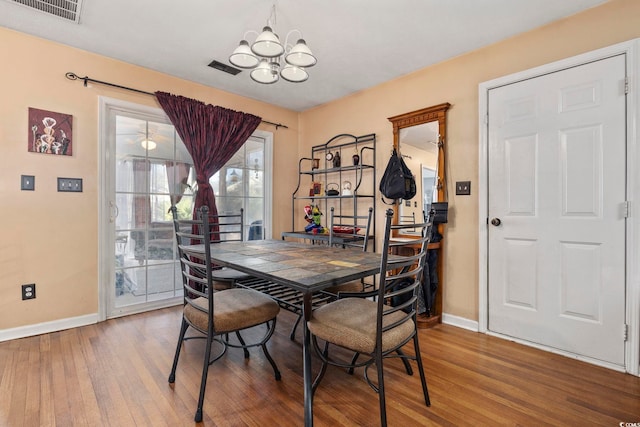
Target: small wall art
{"type": "Point", "coordinates": [49, 132]}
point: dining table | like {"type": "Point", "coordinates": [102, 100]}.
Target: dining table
{"type": "Point", "coordinates": [302, 267]}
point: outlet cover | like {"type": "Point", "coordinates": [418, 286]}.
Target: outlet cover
{"type": "Point", "coordinates": [73, 185]}
{"type": "Point", "coordinates": [27, 182]}
{"type": "Point", "coordinates": [463, 188]}
{"type": "Point", "coordinates": [29, 291]}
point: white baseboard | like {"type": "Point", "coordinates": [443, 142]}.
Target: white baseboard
{"type": "Point", "coordinates": [473, 326]}
{"type": "Point", "coordinates": [46, 327]}
{"type": "Point", "coordinates": [460, 322]}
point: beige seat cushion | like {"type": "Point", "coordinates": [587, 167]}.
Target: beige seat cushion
{"type": "Point", "coordinates": [234, 309]}
{"type": "Point", "coordinates": [221, 286]}
{"type": "Point", "coordinates": [351, 323]}
{"type": "Point", "coordinates": [354, 286]}
{"type": "Point", "coordinates": [229, 274]}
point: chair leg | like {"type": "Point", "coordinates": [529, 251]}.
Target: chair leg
{"type": "Point", "coordinates": [276, 371]}
{"type": "Point", "coordinates": [323, 368]}
{"type": "Point", "coordinates": [423, 378]}
{"type": "Point", "coordinates": [183, 330]}
{"type": "Point", "coordinates": [203, 381]}
{"type": "Point", "coordinates": [292, 335]}
{"type": "Point", "coordinates": [381, 396]}
{"type": "Point", "coordinates": [244, 348]}
{"type": "Point", "coordinates": [351, 370]}
{"type": "Point", "coordinates": [407, 365]}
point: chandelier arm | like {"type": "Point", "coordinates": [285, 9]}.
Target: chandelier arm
{"type": "Point", "coordinates": [250, 32]}
{"type": "Point", "coordinates": [286, 40]}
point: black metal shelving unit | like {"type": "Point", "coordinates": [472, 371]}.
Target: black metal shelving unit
{"type": "Point", "coordinates": [361, 176]}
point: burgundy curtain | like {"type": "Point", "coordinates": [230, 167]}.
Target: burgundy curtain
{"type": "Point", "coordinates": [212, 135]}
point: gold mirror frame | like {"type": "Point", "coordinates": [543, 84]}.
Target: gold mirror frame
{"type": "Point", "coordinates": [418, 117]}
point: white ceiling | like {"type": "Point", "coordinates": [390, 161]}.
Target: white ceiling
{"type": "Point", "coordinates": [358, 43]}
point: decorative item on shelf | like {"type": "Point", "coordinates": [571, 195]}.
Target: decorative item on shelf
{"type": "Point", "coordinates": [356, 156]}
{"type": "Point", "coordinates": [333, 191]}
{"type": "Point", "coordinates": [316, 189]}
{"type": "Point", "coordinates": [312, 215]}
{"type": "Point", "coordinates": [328, 156]}
{"type": "Point", "coordinates": [336, 160]}
{"type": "Point", "coordinates": [315, 164]}
{"type": "Point", "coordinates": [346, 188]}
{"type": "Point", "coordinates": [266, 54]}
{"type": "Point", "coordinates": [339, 229]}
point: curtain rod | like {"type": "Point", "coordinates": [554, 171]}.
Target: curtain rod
{"type": "Point", "coordinates": [85, 79]}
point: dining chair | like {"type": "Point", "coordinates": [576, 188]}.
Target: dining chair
{"type": "Point", "coordinates": [230, 228]}
{"type": "Point", "coordinates": [408, 219]}
{"type": "Point", "coordinates": [344, 231]}
{"type": "Point", "coordinates": [375, 328]}
{"type": "Point", "coordinates": [215, 314]}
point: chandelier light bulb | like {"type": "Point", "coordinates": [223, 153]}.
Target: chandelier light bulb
{"type": "Point", "coordinates": [294, 74]}
{"type": "Point", "coordinates": [267, 44]}
{"type": "Point", "coordinates": [265, 73]}
{"type": "Point", "coordinates": [300, 55]}
{"type": "Point", "coordinates": [243, 57]}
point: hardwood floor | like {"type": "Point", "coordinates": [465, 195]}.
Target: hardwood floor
{"type": "Point", "coordinates": [115, 374]}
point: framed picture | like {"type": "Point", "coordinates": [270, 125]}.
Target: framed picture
{"type": "Point", "coordinates": [317, 188]}
{"type": "Point", "coordinates": [50, 132]}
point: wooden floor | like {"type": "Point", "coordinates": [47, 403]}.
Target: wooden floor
{"type": "Point", "coordinates": [115, 374]}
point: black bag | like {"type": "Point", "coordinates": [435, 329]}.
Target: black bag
{"type": "Point", "coordinates": [440, 212]}
{"type": "Point", "coordinates": [397, 181]}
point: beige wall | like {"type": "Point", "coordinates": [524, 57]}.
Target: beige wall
{"type": "Point", "coordinates": [51, 238]}
{"type": "Point", "coordinates": [456, 81]}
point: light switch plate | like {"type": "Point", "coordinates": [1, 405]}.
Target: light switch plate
{"type": "Point", "coordinates": [463, 188]}
{"type": "Point", "coordinates": [27, 182]}
{"type": "Point", "coordinates": [73, 185]}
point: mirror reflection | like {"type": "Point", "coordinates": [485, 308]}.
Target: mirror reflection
{"type": "Point", "coordinates": [419, 137]}
{"type": "Point", "coordinates": [419, 145]}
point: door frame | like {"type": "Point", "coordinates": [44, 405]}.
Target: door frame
{"type": "Point", "coordinates": [632, 294]}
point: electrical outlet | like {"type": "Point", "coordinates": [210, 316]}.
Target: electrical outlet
{"type": "Point", "coordinates": [70, 184]}
{"type": "Point", "coordinates": [27, 182]}
{"type": "Point", "coordinates": [29, 291]}
{"type": "Point", "coordinates": [463, 188]}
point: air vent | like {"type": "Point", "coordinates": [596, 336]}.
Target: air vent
{"type": "Point", "coordinates": [66, 9]}
{"type": "Point", "coordinates": [224, 67]}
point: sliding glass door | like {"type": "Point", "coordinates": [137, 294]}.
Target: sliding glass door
{"type": "Point", "coordinates": [147, 169]}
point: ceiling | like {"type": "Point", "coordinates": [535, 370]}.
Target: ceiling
{"type": "Point", "coordinates": [358, 43]}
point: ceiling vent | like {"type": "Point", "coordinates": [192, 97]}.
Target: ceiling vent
{"type": "Point", "coordinates": [66, 9]}
{"type": "Point", "coordinates": [224, 67]}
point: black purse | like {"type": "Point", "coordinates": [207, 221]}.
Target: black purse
{"type": "Point", "coordinates": [397, 181]}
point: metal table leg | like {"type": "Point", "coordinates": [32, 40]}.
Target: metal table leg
{"type": "Point", "coordinates": [306, 351]}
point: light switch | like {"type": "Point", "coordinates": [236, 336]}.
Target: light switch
{"type": "Point", "coordinates": [27, 182]}
{"type": "Point", "coordinates": [70, 184]}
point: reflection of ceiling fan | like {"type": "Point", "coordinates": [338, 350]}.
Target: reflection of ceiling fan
{"type": "Point", "coordinates": [147, 134]}
{"type": "Point", "coordinates": [150, 140]}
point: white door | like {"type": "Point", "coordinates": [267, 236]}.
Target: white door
{"type": "Point", "coordinates": [556, 237]}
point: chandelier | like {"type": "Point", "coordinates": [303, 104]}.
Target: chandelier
{"type": "Point", "coordinates": [266, 54]}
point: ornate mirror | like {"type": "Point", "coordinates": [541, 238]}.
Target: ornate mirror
{"type": "Point", "coordinates": [419, 137]}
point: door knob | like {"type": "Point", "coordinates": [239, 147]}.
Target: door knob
{"type": "Point", "coordinates": [496, 221]}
